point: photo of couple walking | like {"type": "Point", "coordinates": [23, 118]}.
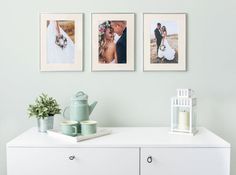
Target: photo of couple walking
{"type": "Point", "coordinates": [112, 42]}
{"type": "Point", "coordinates": [164, 42]}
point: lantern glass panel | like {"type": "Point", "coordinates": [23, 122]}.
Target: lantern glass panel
{"type": "Point", "coordinates": [194, 112]}
{"type": "Point", "coordinates": [175, 117]}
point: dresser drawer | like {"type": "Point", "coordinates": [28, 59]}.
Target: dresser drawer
{"type": "Point", "coordinates": [185, 161]}
{"type": "Point", "coordinates": [73, 161]}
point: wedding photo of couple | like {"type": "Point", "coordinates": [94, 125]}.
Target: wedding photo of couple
{"type": "Point", "coordinates": [112, 42]}
{"type": "Point", "coordinates": [164, 42]}
{"type": "Point", "coordinates": [60, 42]}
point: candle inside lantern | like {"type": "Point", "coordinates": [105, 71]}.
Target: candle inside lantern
{"type": "Point", "coordinates": [183, 123]}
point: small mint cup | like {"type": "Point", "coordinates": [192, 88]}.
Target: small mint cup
{"type": "Point", "coordinates": [70, 127]}
{"type": "Point", "coordinates": [88, 127]}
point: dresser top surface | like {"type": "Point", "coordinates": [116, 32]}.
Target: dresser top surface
{"type": "Point", "coordinates": [125, 137]}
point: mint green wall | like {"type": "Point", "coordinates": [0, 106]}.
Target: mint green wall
{"type": "Point", "coordinates": [125, 98]}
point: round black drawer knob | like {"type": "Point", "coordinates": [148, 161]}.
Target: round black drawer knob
{"type": "Point", "coordinates": [72, 157]}
{"type": "Point", "coordinates": [149, 159]}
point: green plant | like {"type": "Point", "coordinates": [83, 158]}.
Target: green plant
{"type": "Point", "coordinates": [44, 107]}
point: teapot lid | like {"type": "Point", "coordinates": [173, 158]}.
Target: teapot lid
{"type": "Point", "coordinates": [80, 96]}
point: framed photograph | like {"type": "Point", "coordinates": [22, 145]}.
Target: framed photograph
{"type": "Point", "coordinates": [164, 42]}
{"type": "Point", "coordinates": [112, 42]}
{"type": "Point", "coordinates": [61, 42]}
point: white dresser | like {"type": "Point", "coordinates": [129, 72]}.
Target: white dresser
{"type": "Point", "coordinates": [127, 151]}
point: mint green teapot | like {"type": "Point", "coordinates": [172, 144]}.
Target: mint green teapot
{"type": "Point", "coordinates": [79, 107]}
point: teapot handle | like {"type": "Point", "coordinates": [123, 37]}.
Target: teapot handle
{"type": "Point", "coordinates": [64, 112]}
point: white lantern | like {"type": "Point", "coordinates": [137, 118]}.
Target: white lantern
{"type": "Point", "coordinates": [183, 112]}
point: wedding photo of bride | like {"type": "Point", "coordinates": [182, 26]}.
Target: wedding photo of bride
{"type": "Point", "coordinates": [164, 42]}
{"type": "Point", "coordinates": [60, 42]}
{"type": "Point", "coordinates": [112, 42]}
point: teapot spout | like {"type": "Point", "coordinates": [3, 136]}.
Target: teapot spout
{"type": "Point", "coordinates": [92, 106]}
